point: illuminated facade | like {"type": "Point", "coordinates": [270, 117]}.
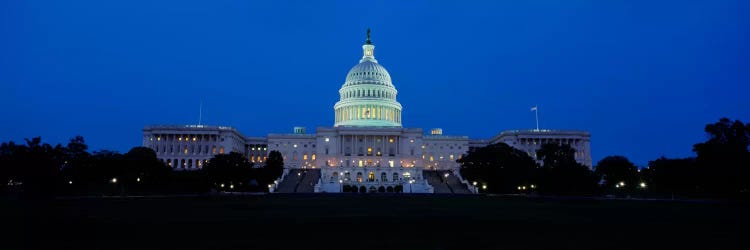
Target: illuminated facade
{"type": "Point", "coordinates": [367, 147]}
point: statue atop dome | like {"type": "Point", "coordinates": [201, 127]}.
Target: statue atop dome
{"type": "Point", "coordinates": [368, 37]}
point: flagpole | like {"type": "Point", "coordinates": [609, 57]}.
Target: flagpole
{"type": "Point", "coordinates": [200, 113]}
{"type": "Point", "coordinates": [536, 114]}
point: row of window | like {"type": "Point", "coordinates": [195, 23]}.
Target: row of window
{"type": "Point", "coordinates": [192, 149]}
{"type": "Point", "coordinates": [432, 157]}
{"type": "Point", "coordinates": [185, 163]}
{"type": "Point", "coordinates": [167, 137]}
{"type": "Point", "coordinates": [368, 112]}
{"type": "Point", "coordinates": [369, 93]}
{"type": "Point", "coordinates": [370, 177]}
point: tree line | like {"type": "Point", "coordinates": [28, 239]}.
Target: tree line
{"type": "Point", "coordinates": [40, 169]}
{"type": "Point", "coordinates": [721, 168]}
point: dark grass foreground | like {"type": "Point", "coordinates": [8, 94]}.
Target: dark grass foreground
{"type": "Point", "coordinates": [372, 222]}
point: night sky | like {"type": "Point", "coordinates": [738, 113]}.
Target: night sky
{"type": "Point", "coordinates": [644, 77]}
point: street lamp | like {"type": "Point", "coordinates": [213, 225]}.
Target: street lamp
{"type": "Point", "coordinates": [114, 180]}
{"type": "Point", "coordinates": [341, 186]}
{"type": "Point", "coordinates": [643, 185]}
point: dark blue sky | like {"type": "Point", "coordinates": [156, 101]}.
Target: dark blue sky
{"type": "Point", "coordinates": [643, 77]}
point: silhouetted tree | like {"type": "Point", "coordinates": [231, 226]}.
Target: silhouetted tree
{"type": "Point", "coordinates": [671, 176]}
{"type": "Point", "coordinates": [144, 168]}
{"type": "Point", "coordinates": [9, 164]}
{"type": "Point", "coordinates": [275, 164]}
{"type": "Point", "coordinates": [618, 169]}
{"type": "Point", "coordinates": [723, 160]}
{"type": "Point", "coordinates": [39, 167]}
{"type": "Point", "coordinates": [561, 174]}
{"type": "Point", "coordinates": [228, 169]}
{"type": "Point", "coordinates": [502, 167]}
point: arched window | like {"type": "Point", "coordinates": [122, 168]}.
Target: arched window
{"type": "Point", "coordinates": [383, 177]}
{"type": "Point", "coordinates": [371, 177]}
{"type": "Point", "coordinates": [395, 176]}
{"type": "Point", "coordinates": [359, 176]}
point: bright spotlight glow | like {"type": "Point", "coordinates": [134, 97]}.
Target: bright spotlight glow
{"type": "Point", "coordinates": [70, 182]}
{"type": "Point", "coordinates": [643, 185]}
{"type": "Point", "coordinates": [474, 183]}
{"type": "Point", "coordinates": [114, 180]}
{"type": "Point", "coordinates": [484, 186]}
{"type": "Point", "coordinates": [222, 185]}
{"type": "Point", "coordinates": [138, 179]}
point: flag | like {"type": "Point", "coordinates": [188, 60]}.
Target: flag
{"type": "Point", "coordinates": [533, 108]}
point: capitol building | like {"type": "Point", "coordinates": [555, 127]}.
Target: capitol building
{"type": "Point", "coordinates": [366, 150]}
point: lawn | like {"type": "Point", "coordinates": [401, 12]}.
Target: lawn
{"type": "Point", "coordinates": [350, 221]}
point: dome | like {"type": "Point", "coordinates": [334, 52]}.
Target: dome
{"type": "Point", "coordinates": [368, 72]}
{"type": "Point", "coordinates": [368, 97]}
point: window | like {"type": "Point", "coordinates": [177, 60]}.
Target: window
{"type": "Point", "coordinates": [395, 176]}
{"type": "Point", "coordinates": [304, 157]}
{"type": "Point", "coordinates": [327, 139]}
{"type": "Point", "coordinates": [383, 177]}
{"type": "Point", "coordinates": [221, 150]}
{"type": "Point", "coordinates": [371, 177]}
{"type": "Point", "coordinates": [313, 157]}
{"type": "Point", "coordinates": [390, 163]}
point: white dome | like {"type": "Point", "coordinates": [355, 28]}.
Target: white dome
{"type": "Point", "coordinates": [368, 97]}
{"type": "Point", "coordinates": [368, 72]}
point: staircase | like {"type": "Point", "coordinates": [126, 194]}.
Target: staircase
{"type": "Point", "coordinates": [434, 179]}
{"type": "Point", "coordinates": [442, 185]}
{"type": "Point", "coordinates": [299, 181]}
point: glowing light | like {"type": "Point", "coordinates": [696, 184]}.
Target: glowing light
{"type": "Point", "coordinates": [622, 183]}
{"type": "Point", "coordinates": [114, 180]}
{"type": "Point", "coordinates": [532, 186]}
{"type": "Point", "coordinates": [484, 186]}
{"type": "Point", "coordinates": [70, 182]}
{"type": "Point", "coordinates": [231, 186]}
{"type": "Point", "coordinates": [295, 145]}
{"type": "Point", "coordinates": [474, 183]}
{"type": "Point", "coordinates": [222, 185]}
{"type": "Point", "coordinates": [327, 139]}
{"type": "Point", "coordinates": [138, 179]}
{"type": "Point", "coordinates": [643, 185]}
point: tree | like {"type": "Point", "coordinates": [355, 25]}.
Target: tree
{"type": "Point", "coordinates": [232, 170]}
{"type": "Point", "coordinates": [723, 159]}
{"type": "Point", "coordinates": [144, 168]}
{"type": "Point", "coordinates": [275, 164]}
{"type": "Point", "coordinates": [561, 174]}
{"type": "Point", "coordinates": [671, 176]}
{"type": "Point", "coordinates": [502, 167]}
{"type": "Point", "coordinates": [39, 167]}
{"type": "Point", "coordinates": [617, 169]}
